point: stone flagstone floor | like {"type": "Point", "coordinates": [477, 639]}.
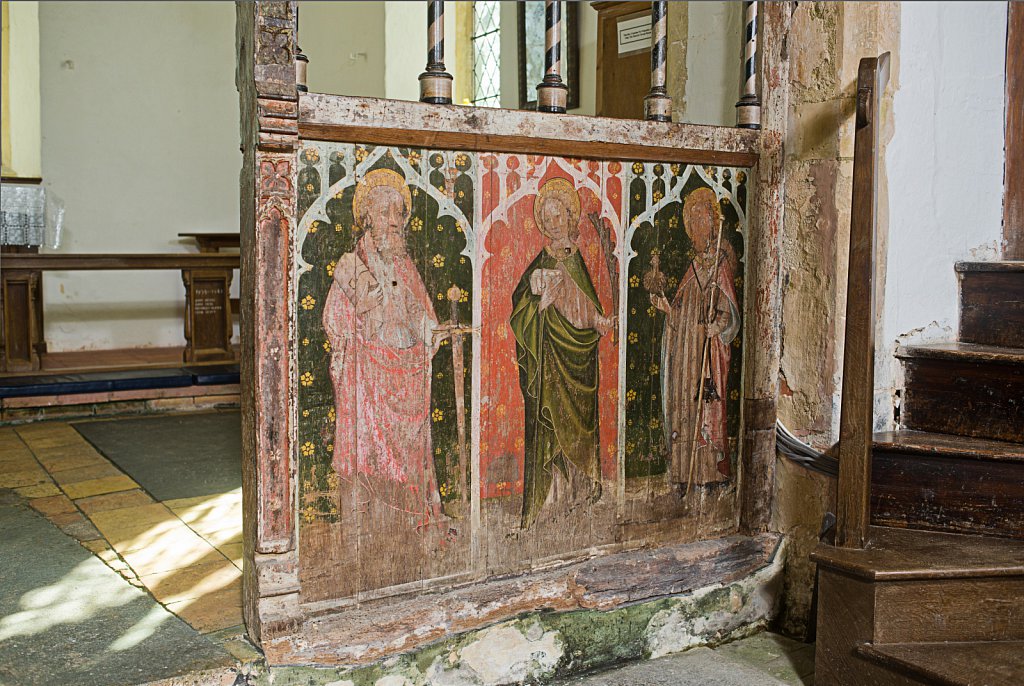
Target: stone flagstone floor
{"type": "Point", "coordinates": [187, 553]}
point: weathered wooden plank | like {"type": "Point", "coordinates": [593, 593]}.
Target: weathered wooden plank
{"type": "Point", "coordinates": [992, 305]}
{"type": "Point", "coordinates": [1013, 201]}
{"type": "Point", "coordinates": [362, 633]}
{"type": "Point", "coordinates": [995, 663]}
{"type": "Point", "coordinates": [857, 417]}
{"type": "Point", "coordinates": [399, 123]}
{"type": "Point", "coordinates": [985, 384]}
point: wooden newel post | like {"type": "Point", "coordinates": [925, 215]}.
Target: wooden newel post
{"type": "Point", "coordinates": [657, 104]}
{"type": "Point", "coordinates": [552, 94]}
{"type": "Point", "coordinates": [856, 421]}
{"type": "Point", "coordinates": [435, 82]}
{"type": "Point", "coordinates": [748, 109]}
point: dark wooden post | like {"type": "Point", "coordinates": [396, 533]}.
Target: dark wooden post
{"type": "Point", "coordinates": [552, 94]}
{"type": "Point", "coordinates": [435, 82]}
{"type": "Point", "coordinates": [268, 98]}
{"type": "Point", "coordinates": [748, 109]}
{"type": "Point", "coordinates": [21, 301]}
{"type": "Point", "coordinates": [657, 104]}
{"type": "Point", "coordinates": [856, 421]}
{"type": "Point", "coordinates": [1013, 179]}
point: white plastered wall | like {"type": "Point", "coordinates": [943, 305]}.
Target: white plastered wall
{"type": "Point", "coordinates": [945, 172]}
{"type": "Point", "coordinates": [140, 140]}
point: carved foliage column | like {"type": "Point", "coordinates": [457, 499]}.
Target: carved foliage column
{"type": "Point", "coordinates": [269, 110]}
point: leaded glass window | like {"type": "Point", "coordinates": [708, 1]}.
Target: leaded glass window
{"type": "Point", "coordinates": [486, 53]}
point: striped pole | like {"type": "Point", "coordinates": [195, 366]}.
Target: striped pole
{"type": "Point", "coordinates": [435, 82]}
{"type": "Point", "coordinates": [301, 61]}
{"type": "Point", "coordinates": [657, 104]}
{"type": "Point", "coordinates": [552, 94]}
{"type": "Point", "coordinates": [748, 109]}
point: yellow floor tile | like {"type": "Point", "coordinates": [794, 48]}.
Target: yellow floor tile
{"type": "Point", "coordinates": [38, 491]}
{"type": "Point", "coordinates": [75, 459]}
{"type": "Point", "coordinates": [168, 551]}
{"type": "Point", "coordinates": [99, 471]}
{"type": "Point", "coordinates": [114, 501]}
{"type": "Point", "coordinates": [192, 582]}
{"type": "Point", "coordinates": [26, 477]}
{"type": "Point", "coordinates": [212, 612]}
{"type": "Point", "coordinates": [109, 484]}
{"type": "Point", "coordinates": [232, 551]}
{"type": "Point", "coordinates": [51, 505]}
{"type": "Point", "coordinates": [125, 527]}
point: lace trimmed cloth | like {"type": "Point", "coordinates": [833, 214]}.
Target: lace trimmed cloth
{"type": "Point", "coordinates": [28, 217]}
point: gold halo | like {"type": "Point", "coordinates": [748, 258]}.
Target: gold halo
{"type": "Point", "coordinates": [379, 177]}
{"type": "Point", "coordinates": [561, 188]}
{"type": "Point", "coordinates": [703, 194]}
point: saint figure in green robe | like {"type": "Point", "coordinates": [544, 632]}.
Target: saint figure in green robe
{"type": "Point", "coordinates": [558, 321]}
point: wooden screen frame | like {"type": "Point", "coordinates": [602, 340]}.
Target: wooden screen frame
{"type": "Point", "coordinates": [274, 121]}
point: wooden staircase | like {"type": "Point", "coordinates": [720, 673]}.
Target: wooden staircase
{"type": "Point", "coordinates": [925, 581]}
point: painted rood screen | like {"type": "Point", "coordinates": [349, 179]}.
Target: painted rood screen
{"type": "Point", "coordinates": [506, 360]}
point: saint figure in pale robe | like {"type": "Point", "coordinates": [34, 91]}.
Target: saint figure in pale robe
{"type": "Point", "coordinates": [558, 321]}
{"type": "Point", "coordinates": [701, 321]}
{"type": "Point", "coordinates": [383, 334]}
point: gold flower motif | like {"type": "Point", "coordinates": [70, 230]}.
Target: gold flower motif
{"type": "Point", "coordinates": [653, 369]}
{"type": "Point", "coordinates": [638, 168]}
{"type": "Point", "coordinates": [458, 225]}
{"type": "Point", "coordinates": [673, 222]}
{"type": "Point", "coordinates": [305, 341]}
{"type": "Point", "coordinates": [440, 296]}
{"type": "Point", "coordinates": [462, 260]}
{"type": "Point", "coordinates": [676, 168]}
{"type": "Point", "coordinates": [309, 188]}
{"type": "Point", "coordinates": [308, 449]}
{"type": "Point", "coordinates": [462, 194]}
{"type": "Point", "coordinates": [658, 195]}
{"type": "Point", "coordinates": [440, 227]}
{"type": "Point", "coordinates": [634, 281]}
{"type": "Point", "coordinates": [438, 261]}
{"type": "Point", "coordinates": [305, 413]}
{"type": "Point", "coordinates": [734, 394]}
{"type": "Point", "coordinates": [416, 224]}
{"type": "Point", "coordinates": [461, 159]}
{"type": "Point", "coordinates": [306, 379]}
{"type": "Point", "coordinates": [330, 268]}
{"type": "Point", "coordinates": [654, 423]}
{"type": "Point", "coordinates": [633, 337]}
{"type": "Point", "coordinates": [463, 296]}
{"type": "Point", "coordinates": [314, 227]}
{"type": "Point", "coordinates": [308, 302]}
{"type": "Point", "coordinates": [651, 311]}
{"type": "Point", "coordinates": [636, 196]}
{"type": "Point", "coordinates": [361, 154]}
{"type": "Point", "coordinates": [437, 415]}
{"type": "Point", "coordinates": [327, 346]}
{"type": "Point", "coordinates": [338, 228]}
{"type": "Point", "coordinates": [630, 395]}
{"type": "Point", "coordinates": [414, 158]}
{"type": "Point", "coordinates": [331, 414]}
{"type": "Point", "coordinates": [312, 155]}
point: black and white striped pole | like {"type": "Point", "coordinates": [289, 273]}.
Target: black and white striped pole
{"type": "Point", "coordinates": [552, 94]}
{"type": "Point", "coordinates": [748, 109]}
{"type": "Point", "coordinates": [435, 82]}
{"type": "Point", "coordinates": [301, 61]}
{"type": "Point", "coordinates": [657, 104]}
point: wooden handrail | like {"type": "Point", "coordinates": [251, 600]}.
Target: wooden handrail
{"type": "Point", "coordinates": [105, 261]}
{"type": "Point", "coordinates": [856, 422]}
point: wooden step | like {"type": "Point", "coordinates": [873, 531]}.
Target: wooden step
{"type": "Point", "coordinates": [913, 587]}
{"type": "Point", "coordinates": [964, 389]}
{"type": "Point", "coordinates": [948, 483]}
{"type": "Point", "coordinates": [974, 663]}
{"type": "Point", "coordinates": [992, 303]}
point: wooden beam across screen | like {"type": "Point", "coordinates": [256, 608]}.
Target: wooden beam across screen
{"type": "Point", "coordinates": [345, 119]}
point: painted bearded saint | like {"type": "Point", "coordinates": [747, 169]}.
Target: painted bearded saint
{"type": "Point", "coordinates": [701, 321]}
{"type": "Point", "coordinates": [558, 321]}
{"type": "Point", "coordinates": [383, 334]}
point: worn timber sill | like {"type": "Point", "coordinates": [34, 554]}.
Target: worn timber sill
{"type": "Point", "coordinates": [907, 554]}
{"type": "Point", "coordinates": [371, 630]}
{"type": "Point", "coordinates": [993, 663]}
{"type": "Point", "coordinates": [402, 123]}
